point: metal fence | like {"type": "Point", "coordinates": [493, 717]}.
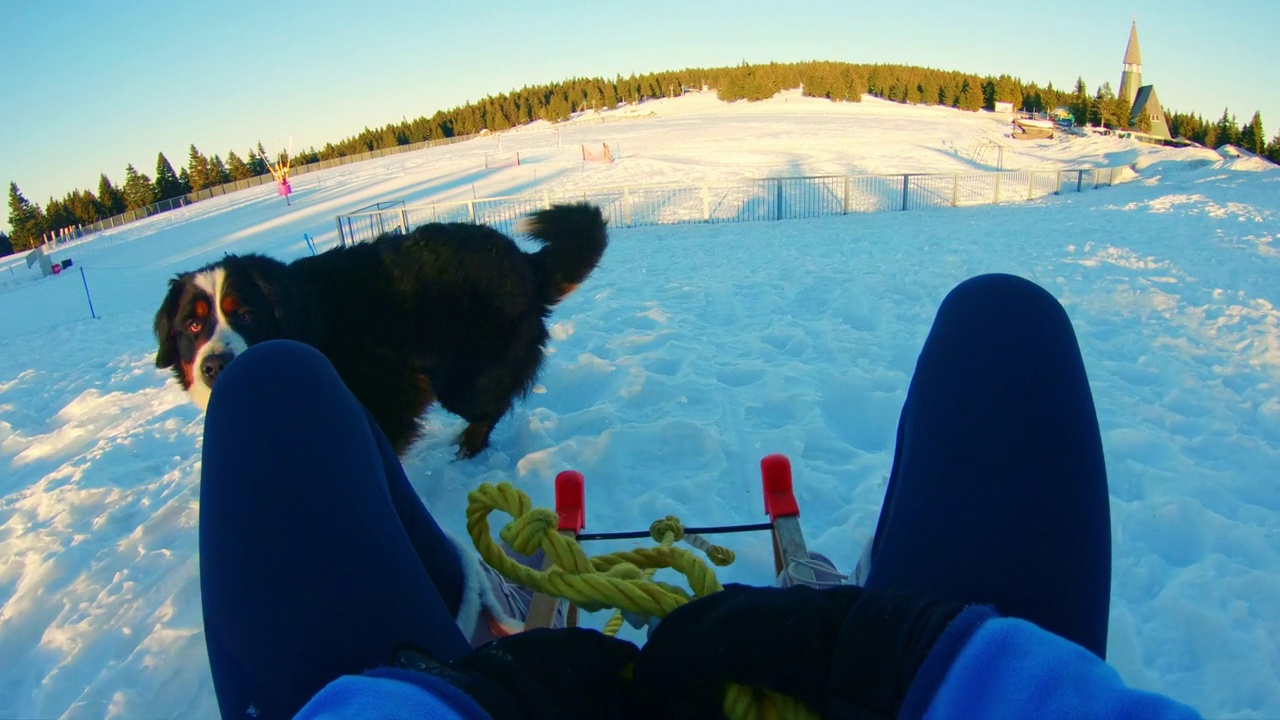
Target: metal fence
{"type": "Point", "coordinates": [750, 201]}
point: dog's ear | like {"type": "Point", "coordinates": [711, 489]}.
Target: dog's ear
{"type": "Point", "coordinates": [290, 300]}
{"type": "Point", "coordinates": [166, 345]}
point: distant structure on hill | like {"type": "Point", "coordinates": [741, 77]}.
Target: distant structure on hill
{"type": "Point", "coordinates": [1142, 98]}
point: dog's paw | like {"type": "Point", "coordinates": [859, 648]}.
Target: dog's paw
{"type": "Point", "coordinates": [473, 440]}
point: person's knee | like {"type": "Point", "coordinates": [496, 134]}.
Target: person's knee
{"type": "Point", "coordinates": [283, 367]}
{"type": "Point", "coordinates": [1000, 284]}
{"type": "Point", "coordinates": [998, 295]}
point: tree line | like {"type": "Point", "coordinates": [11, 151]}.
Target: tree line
{"type": "Point", "coordinates": [838, 82]}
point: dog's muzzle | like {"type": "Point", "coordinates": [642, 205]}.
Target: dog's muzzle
{"type": "Point", "coordinates": [213, 365]}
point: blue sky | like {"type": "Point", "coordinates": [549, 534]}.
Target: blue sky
{"type": "Point", "coordinates": [93, 87]}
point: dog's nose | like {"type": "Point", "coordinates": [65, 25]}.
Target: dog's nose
{"type": "Point", "coordinates": [213, 366]}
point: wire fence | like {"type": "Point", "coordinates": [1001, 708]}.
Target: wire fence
{"type": "Point", "coordinates": [786, 198]}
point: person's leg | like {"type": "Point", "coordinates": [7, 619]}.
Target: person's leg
{"type": "Point", "coordinates": [316, 556]}
{"type": "Point", "coordinates": [998, 492]}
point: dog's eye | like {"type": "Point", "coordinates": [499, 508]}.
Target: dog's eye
{"type": "Point", "coordinates": [246, 316]}
{"type": "Point", "coordinates": [194, 326]}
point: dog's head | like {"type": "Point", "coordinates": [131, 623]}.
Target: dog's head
{"type": "Point", "coordinates": [213, 314]}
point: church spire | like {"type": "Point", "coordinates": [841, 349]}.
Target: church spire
{"type": "Point", "coordinates": [1132, 56]}
{"type": "Point", "coordinates": [1131, 78]}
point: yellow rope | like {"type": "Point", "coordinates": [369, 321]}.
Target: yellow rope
{"type": "Point", "coordinates": [621, 580]}
{"type": "Point", "coordinates": [614, 580]}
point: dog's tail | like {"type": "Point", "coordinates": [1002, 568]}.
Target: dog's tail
{"type": "Point", "coordinates": [573, 239]}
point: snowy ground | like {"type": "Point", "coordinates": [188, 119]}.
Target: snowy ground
{"type": "Point", "coordinates": [692, 352]}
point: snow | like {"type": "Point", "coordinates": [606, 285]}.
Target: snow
{"type": "Point", "coordinates": [692, 352]}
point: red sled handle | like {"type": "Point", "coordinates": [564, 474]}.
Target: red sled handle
{"type": "Point", "coordinates": [779, 497]}
{"type": "Point", "coordinates": [571, 501]}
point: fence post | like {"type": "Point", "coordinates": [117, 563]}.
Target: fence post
{"type": "Point", "coordinates": [404, 221]}
{"type": "Point", "coordinates": [845, 205]}
{"type": "Point", "coordinates": [1079, 181]}
{"type": "Point", "coordinates": [906, 183]}
{"type": "Point", "coordinates": [996, 200]}
{"type": "Point", "coordinates": [546, 199]}
{"type": "Point", "coordinates": [706, 204]}
{"type": "Point", "coordinates": [955, 189]}
{"type": "Point", "coordinates": [1031, 184]}
{"type": "Point", "coordinates": [471, 210]}
{"type": "Point", "coordinates": [626, 203]}
{"type": "Point", "coordinates": [342, 236]}
{"type": "Point", "coordinates": [777, 199]}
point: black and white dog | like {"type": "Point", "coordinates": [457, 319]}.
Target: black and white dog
{"type": "Point", "coordinates": [450, 312]}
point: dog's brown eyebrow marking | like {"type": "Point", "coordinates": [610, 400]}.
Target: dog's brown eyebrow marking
{"type": "Point", "coordinates": [229, 304]}
{"type": "Point", "coordinates": [202, 308]}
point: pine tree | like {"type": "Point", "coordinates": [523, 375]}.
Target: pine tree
{"type": "Point", "coordinates": [167, 184]}
{"type": "Point", "coordinates": [1192, 127]}
{"type": "Point", "coordinates": [110, 198]}
{"type": "Point", "coordinates": [930, 92]}
{"type": "Point", "coordinates": [1210, 135]}
{"type": "Point", "coordinates": [84, 207]}
{"type": "Point", "coordinates": [1050, 99]}
{"type": "Point", "coordinates": [138, 190]}
{"type": "Point", "coordinates": [1142, 123]}
{"type": "Point", "coordinates": [26, 220]}
{"type": "Point", "coordinates": [1006, 89]}
{"type": "Point", "coordinates": [730, 88]}
{"type": "Point", "coordinates": [852, 84]}
{"type": "Point", "coordinates": [218, 174]}
{"type": "Point", "coordinates": [1252, 137]}
{"type": "Point", "coordinates": [257, 165]}
{"type": "Point", "coordinates": [237, 168]}
{"type": "Point", "coordinates": [971, 97]}
{"type": "Point", "coordinates": [1109, 111]}
{"type": "Point", "coordinates": [57, 215]}
{"type": "Point", "coordinates": [817, 83]}
{"type": "Point", "coordinates": [1228, 131]}
{"type": "Point", "coordinates": [1080, 103]}
{"type": "Point", "coordinates": [1122, 114]}
{"type": "Point", "coordinates": [198, 171]}
{"type": "Point", "coordinates": [1273, 149]}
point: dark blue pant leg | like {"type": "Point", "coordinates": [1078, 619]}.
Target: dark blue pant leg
{"type": "Point", "coordinates": [998, 492]}
{"type": "Point", "coordinates": [316, 555]}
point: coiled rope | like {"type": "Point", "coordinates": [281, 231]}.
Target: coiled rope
{"type": "Point", "coordinates": [621, 580]}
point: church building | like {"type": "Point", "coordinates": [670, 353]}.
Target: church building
{"type": "Point", "coordinates": [1142, 98]}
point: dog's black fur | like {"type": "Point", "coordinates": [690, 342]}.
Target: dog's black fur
{"type": "Point", "coordinates": [450, 312]}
